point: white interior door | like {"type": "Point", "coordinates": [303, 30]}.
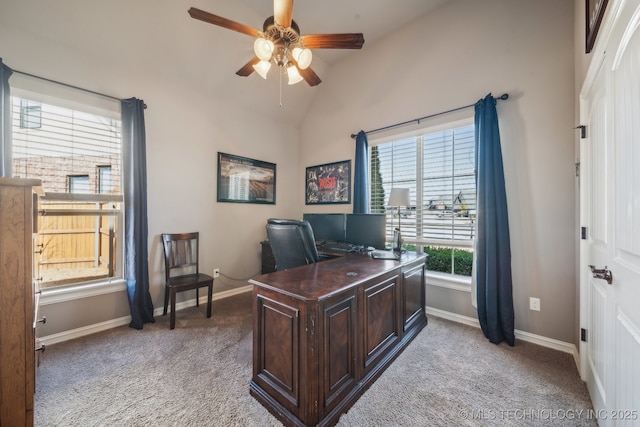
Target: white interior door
{"type": "Point", "coordinates": [594, 210]}
{"type": "Point", "coordinates": [610, 209]}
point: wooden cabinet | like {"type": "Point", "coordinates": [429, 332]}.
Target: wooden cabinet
{"type": "Point", "coordinates": [337, 335]}
{"type": "Point", "coordinates": [413, 295]}
{"type": "Point", "coordinates": [324, 332]}
{"type": "Point", "coordinates": [17, 306]}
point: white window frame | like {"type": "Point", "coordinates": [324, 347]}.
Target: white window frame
{"type": "Point", "coordinates": [89, 288]}
{"type": "Point", "coordinates": [47, 92]}
{"type": "Point", "coordinates": [446, 280]}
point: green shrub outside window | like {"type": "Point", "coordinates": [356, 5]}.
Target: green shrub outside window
{"type": "Point", "coordinates": [440, 260]}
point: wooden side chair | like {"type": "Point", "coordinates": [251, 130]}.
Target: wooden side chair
{"type": "Point", "coordinates": [181, 253]}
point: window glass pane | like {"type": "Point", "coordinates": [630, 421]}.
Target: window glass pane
{"type": "Point", "coordinates": [79, 184]}
{"type": "Point", "coordinates": [449, 184]}
{"type": "Point", "coordinates": [76, 153]}
{"type": "Point", "coordinates": [395, 166]}
{"type": "Point", "coordinates": [438, 168]}
{"type": "Point", "coordinates": [105, 180]}
{"type": "Point", "coordinates": [30, 114]}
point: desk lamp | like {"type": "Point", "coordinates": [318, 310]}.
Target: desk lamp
{"type": "Point", "coordinates": [397, 198]}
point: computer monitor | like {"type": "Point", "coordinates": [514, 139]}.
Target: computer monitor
{"type": "Point", "coordinates": [366, 230]}
{"type": "Point", "coordinates": [327, 227]}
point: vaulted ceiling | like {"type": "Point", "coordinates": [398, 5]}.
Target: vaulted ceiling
{"type": "Point", "coordinates": [159, 37]}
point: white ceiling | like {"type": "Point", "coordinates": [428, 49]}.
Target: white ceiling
{"type": "Point", "coordinates": [159, 37]}
{"type": "Point", "coordinates": [374, 18]}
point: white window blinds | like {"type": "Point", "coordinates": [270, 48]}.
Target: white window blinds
{"type": "Point", "coordinates": [439, 170]}
{"type": "Point", "coordinates": [67, 143]}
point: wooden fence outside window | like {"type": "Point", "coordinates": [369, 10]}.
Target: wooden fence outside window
{"type": "Point", "coordinates": [77, 238]}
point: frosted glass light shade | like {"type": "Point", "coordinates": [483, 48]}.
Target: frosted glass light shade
{"type": "Point", "coordinates": [263, 48]}
{"type": "Point", "coordinates": [294, 75]}
{"type": "Point", "coordinates": [262, 68]}
{"type": "Point", "coordinates": [302, 56]}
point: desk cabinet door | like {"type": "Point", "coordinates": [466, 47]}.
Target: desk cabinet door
{"type": "Point", "coordinates": [338, 337]}
{"type": "Point", "coordinates": [413, 298]}
{"type": "Point", "coordinates": [381, 319]}
{"type": "Point", "coordinates": [276, 362]}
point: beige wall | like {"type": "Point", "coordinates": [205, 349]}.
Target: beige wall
{"type": "Point", "coordinates": [452, 57]}
{"type": "Point", "coordinates": [187, 123]}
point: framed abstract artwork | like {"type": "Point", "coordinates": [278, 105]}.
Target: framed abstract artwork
{"type": "Point", "coordinates": [328, 184]}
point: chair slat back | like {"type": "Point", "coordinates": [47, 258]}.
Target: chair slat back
{"type": "Point", "coordinates": [181, 253]}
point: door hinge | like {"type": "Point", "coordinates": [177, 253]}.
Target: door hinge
{"type": "Point", "coordinates": [583, 233]}
{"type": "Point", "coordinates": [583, 334]}
{"type": "Point", "coordinates": [577, 169]}
{"type": "Point", "coordinates": [583, 131]}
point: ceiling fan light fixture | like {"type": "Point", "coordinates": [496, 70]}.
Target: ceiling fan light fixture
{"type": "Point", "coordinates": [302, 56]}
{"type": "Point", "coordinates": [262, 68]}
{"type": "Point", "coordinates": [263, 48]}
{"type": "Point", "coordinates": [281, 43]}
{"type": "Point", "coordinates": [294, 75]}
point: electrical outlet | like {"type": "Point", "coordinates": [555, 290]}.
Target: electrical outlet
{"type": "Point", "coordinates": [534, 304]}
{"type": "Point", "coordinates": [216, 273]}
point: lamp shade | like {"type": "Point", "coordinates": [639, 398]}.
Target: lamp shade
{"type": "Point", "coordinates": [399, 197]}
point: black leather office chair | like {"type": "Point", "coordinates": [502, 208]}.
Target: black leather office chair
{"type": "Point", "coordinates": [292, 243]}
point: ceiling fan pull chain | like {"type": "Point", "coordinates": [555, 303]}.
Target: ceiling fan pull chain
{"type": "Point", "coordinates": [280, 74]}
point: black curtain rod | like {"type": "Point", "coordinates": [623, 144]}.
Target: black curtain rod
{"type": "Point", "coordinates": [502, 98]}
{"type": "Point", "coordinates": [68, 85]}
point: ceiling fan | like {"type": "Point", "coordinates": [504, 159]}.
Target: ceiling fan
{"type": "Point", "coordinates": [280, 43]}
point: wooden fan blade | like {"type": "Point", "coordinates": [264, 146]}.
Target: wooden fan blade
{"type": "Point", "coordinates": [283, 12]}
{"type": "Point", "coordinates": [223, 22]}
{"type": "Point", "coordinates": [247, 68]}
{"type": "Point", "coordinates": [333, 41]}
{"type": "Point", "coordinates": [307, 74]}
{"type": "Point", "coordinates": [310, 76]}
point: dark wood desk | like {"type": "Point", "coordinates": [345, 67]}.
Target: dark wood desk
{"type": "Point", "coordinates": [323, 333]}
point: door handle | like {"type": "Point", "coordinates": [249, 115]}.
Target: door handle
{"type": "Point", "coordinates": [602, 273]}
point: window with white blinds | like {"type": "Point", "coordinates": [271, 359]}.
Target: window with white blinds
{"type": "Point", "coordinates": [65, 143]}
{"type": "Point", "coordinates": [438, 168]}
{"type": "Point", "coordinates": [76, 152]}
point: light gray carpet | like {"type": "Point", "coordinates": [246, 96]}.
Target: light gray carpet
{"type": "Point", "coordinates": [198, 375]}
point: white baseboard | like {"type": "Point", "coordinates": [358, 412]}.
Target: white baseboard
{"type": "Point", "coordinates": [562, 346]}
{"type": "Point", "coordinates": [203, 299]}
{"type": "Point", "coordinates": [459, 318]}
{"type": "Point", "coordinates": [114, 323]}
